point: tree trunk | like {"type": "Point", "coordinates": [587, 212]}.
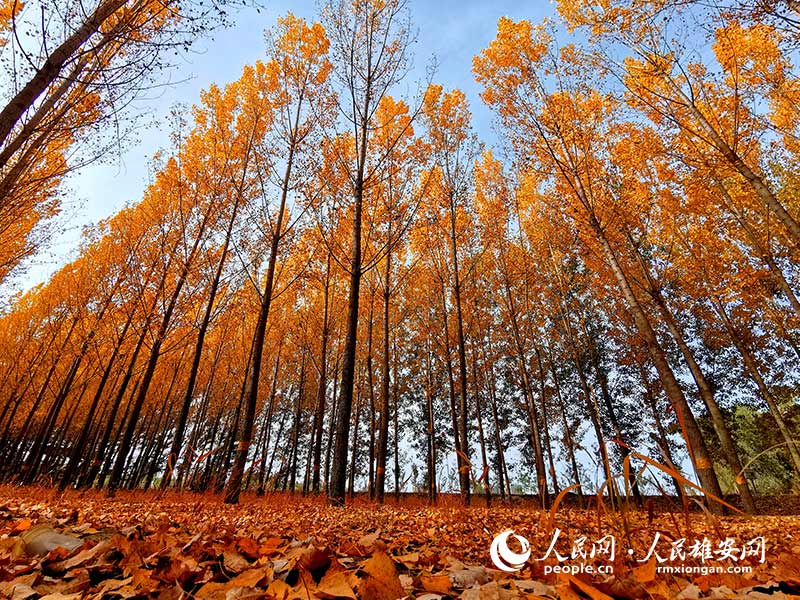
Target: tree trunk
{"type": "Point", "coordinates": [752, 368]}
{"type": "Point", "coordinates": [694, 439]}
{"type": "Point", "coordinates": [383, 430]}
{"type": "Point", "coordinates": [180, 427]}
{"type": "Point", "coordinates": [319, 418]}
{"type": "Point", "coordinates": [50, 70]}
{"type": "Point", "coordinates": [464, 472]}
{"type": "Point", "coordinates": [234, 484]}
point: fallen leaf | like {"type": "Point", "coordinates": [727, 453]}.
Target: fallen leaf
{"type": "Point", "coordinates": [334, 584]}
{"type": "Point", "coordinates": [251, 577]}
{"type": "Point", "coordinates": [435, 583]}
{"type": "Point", "coordinates": [21, 525]}
{"type": "Point", "coordinates": [270, 546]}
{"type": "Point", "coordinates": [733, 581]}
{"type": "Point", "coordinates": [87, 555]}
{"type": "Point", "coordinates": [381, 582]}
{"type": "Point", "coordinates": [234, 562]}
{"type": "Point", "coordinates": [467, 577]}
{"type": "Point", "coordinates": [534, 587]}
{"type": "Point", "coordinates": [368, 541]}
{"type": "Point", "coordinates": [278, 589]}
{"type": "Point", "coordinates": [22, 591]}
{"type": "Point", "coordinates": [584, 587]}
{"type": "Point", "coordinates": [645, 572]}
{"type": "Point", "coordinates": [409, 561]}
{"type": "Point", "coordinates": [213, 591]}
{"type": "Point", "coordinates": [248, 547]}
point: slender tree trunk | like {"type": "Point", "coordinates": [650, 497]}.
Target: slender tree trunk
{"type": "Point", "coordinates": [432, 486]}
{"type": "Point", "coordinates": [354, 447]}
{"type": "Point", "coordinates": [568, 440]}
{"type": "Point", "coordinates": [602, 379]}
{"type": "Point", "coordinates": [296, 425]}
{"type": "Point", "coordinates": [464, 470]}
{"type": "Point", "coordinates": [396, 415]}
{"type": "Point", "coordinates": [155, 354]}
{"type": "Point", "coordinates": [78, 448]}
{"type": "Point", "coordinates": [319, 420]}
{"type": "Point", "coordinates": [491, 384]}
{"type": "Point", "coordinates": [383, 428]}
{"type": "Point", "coordinates": [371, 393]}
{"type": "Point", "coordinates": [183, 415]}
{"type": "Point", "coordinates": [457, 441]}
{"type": "Point", "coordinates": [545, 428]}
{"type": "Point", "coordinates": [55, 62]}
{"type": "Point", "coordinates": [336, 489]}
{"type": "Point", "coordinates": [18, 453]}
{"type": "Point", "coordinates": [30, 466]}
{"type": "Point", "coordinates": [234, 484]}
{"type": "Point", "coordinates": [694, 438]}
{"type": "Point", "coordinates": [751, 366]}
{"type": "Point", "coordinates": [270, 412]}
{"type": "Point", "coordinates": [662, 440]}
{"type": "Point", "coordinates": [485, 475]}
{"type": "Point", "coordinates": [330, 441]}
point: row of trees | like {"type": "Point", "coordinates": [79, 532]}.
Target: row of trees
{"type": "Point", "coordinates": [69, 72]}
{"type": "Point", "coordinates": [322, 279]}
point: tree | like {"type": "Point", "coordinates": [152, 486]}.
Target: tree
{"type": "Point", "coordinates": [106, 54]}
{"type": "Point", "coordinates": [293, 88]}
{"type": "Point", "coordinates": [370, 41]}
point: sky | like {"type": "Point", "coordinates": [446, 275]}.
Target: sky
{"type": "Point", "coordinates": [452, 31]}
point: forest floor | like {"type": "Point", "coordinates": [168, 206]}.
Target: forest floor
{"type": "Point", "coordinates": [149, 545]}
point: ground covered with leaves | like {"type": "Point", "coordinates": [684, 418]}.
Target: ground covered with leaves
{"type": "Point", "coordinates": [145, 545]}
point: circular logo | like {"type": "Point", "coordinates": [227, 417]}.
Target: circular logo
{"type": "Point", "coordinates": [506, 559]}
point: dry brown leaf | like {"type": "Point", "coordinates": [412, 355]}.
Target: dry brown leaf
{"type": "Point", "coordinates": [234, 562]}
{"type": "Point", "coordinates": [469, 576]}
{"type": "Point", "coordinates": [335, 584]}
{"type": "Point", "coordinates": [435, 583]}
{"type": "Point", "coordinates": [278, 589]}
{"type": "Point", "coordinates": [535, 588]}
{"type": "Point", "coordinates": [584, 587]}
{"type": "Point", "coordinates": [87, 555]}
{"type": "Point", "coordinates": [730, 580]}
{"type": "Point", "coordinates": [270, 546]}
{"type": "Point", "coordinates": [564, 591]}
{"type": "Point", "coordinates": [19, 591]}
{"type": "Point", "coordinates": [645, 572]}
{"type": "Point", "coordinates": [248, 547]}
{"type": "Point", "coordinates": [314, 558]}
{"type": "Point", "coordinates": [252, 577]}
{"type": "Point", "coordinates": [381, 581]}
{"type": "Point", "coordinates": [409, 561]}
{"type": "Point", "coordinates": [368, 541]}
{"type": "Point", "coordinates": [787, 568]}
{"type": "Point", "coordinates": [21, 525]}
{"type": "Point", "coordinates": [213, 591]}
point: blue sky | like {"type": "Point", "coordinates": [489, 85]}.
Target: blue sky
{"type": "Point", "coordinates": [453, 31]}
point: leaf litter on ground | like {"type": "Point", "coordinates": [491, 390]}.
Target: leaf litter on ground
{"type": "Point", "coordinates": [139, 545]}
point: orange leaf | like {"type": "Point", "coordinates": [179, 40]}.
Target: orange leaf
{"type": "Point", "coordinates": [584, 587]}
{"type": "Point", "coordinates": [22, 525]}
{"type": "Point", "coordinates": [381, 582]}
{"type": "Point", "coordinates": [335, 585]}
{"type": "Point", "coordinates": [435, 583]}
{"type": "Point", "coordinates": [646, 572]}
